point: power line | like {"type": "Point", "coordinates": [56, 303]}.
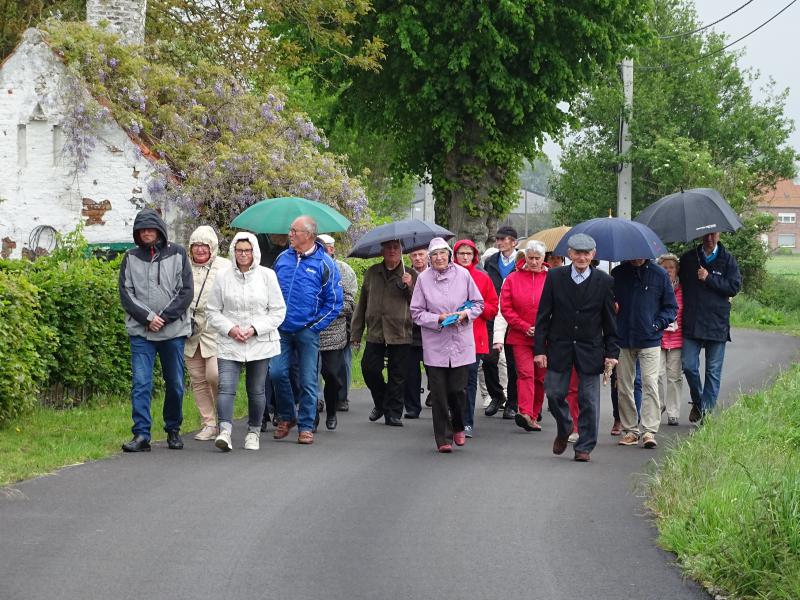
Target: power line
{"type": "Point", "coordinates": [717, 51]}
{"type": "Point", "coordinates": [704, 27]}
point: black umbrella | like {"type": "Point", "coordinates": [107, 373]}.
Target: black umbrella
{"type": "Point", "coordinates": [685, 216]}
{"type": "Point", "coordinates": [411, 233]}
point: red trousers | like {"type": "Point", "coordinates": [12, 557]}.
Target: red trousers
{"type": "Point", "coordinates": [530, 381]}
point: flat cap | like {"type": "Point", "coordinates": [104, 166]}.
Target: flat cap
{"type": "Point", "coordinates": [507, 231]}
{"type": "Point", "coordinates": [581, 242]}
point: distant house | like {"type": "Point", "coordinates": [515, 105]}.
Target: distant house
{"type": "Point", "coordinates": [41, 191]}
{"type": "Point", "coordinates": [783, 203]}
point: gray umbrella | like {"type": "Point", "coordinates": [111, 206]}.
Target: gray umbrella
{"type": "Point", "coordinates": [685, 216]}
{"type": "Point", "coordinates": [411, 233]}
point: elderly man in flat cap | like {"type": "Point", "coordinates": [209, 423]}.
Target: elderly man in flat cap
{"type": "Point", "coordinates": [576, 326]}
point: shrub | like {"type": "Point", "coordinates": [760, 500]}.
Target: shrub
{"type": "Point", "coordinates": [24, 343]}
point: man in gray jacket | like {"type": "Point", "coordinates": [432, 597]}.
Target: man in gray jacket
{"type": "Point", "coordinates": [156, 289]}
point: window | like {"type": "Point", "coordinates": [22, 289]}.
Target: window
{"type": "Point", "coordinates": [787, 217]}
{"type": "Point", "coordinates": [786, 240]}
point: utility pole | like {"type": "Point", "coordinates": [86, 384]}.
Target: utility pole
{"type": "Point", "coordinates": [625, 170]}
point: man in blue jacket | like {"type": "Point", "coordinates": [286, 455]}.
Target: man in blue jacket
{"type": "Point", "coordinates": [709, 277]}
{"type": "Point", "coordinates": [646, 306]}
{"type": "Point", "coordinates": [312, 290]}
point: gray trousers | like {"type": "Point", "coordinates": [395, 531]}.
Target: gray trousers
{"type": "Point", "coordinates": [556, 386]}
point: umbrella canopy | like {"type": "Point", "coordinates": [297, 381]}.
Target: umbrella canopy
{"type": "Point", "coordinates": [550, 237]}
{"type": "Point", "coordinates": [412, 234]}
{"type": "Point", "coordinates": [617, 239]}
{"type": "Point", "coordinates": [275, 215]}
{"type": "Point", "coordinates": [688, 215]}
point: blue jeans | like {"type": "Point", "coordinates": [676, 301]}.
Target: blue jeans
{"type": "Point", "coordinates": [306, 343]}
{"type": "Point", "coordinates": [255, 381]}
{"type": "Point", "coordinates": [143, 357]}
{"type": "Point", "coordinates": [704, 395]}
{"type": "Point", "coordinates": [472, 391]}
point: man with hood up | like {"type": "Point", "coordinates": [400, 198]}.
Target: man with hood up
{"type": "Point", "coordinates": [156, 290]}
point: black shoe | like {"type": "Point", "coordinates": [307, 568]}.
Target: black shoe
{"type": "Point", "coordinates": [265, 422]}
{"type": "Point", "coordinates": [174, 441]}
{"type": "Point", "coordinates": [412, 416]}
{"type": "Point", "coordinates": [342, 406]}
{"type": "Point", "coordinates": [375, 415]}
{"type": "Point", "coordinates": [539, 418]}
{"type": "Point", "coordinates": [275, 419]}
{"type": "Point", "coordinates": [331, 423]}
{"type": "Point", "coordinates": [428, 401]}
{"type": "Point", "coordinates": [695, 415]}
{"type": "Point", "coordinates": [139, 443]}
{"type": "Point", "coordinates": [316, 424]}
{"type": "Point", "coordinates": [509, 413]}
{"type": "Point", "coordinates": [493, 407]}
{"type": "Point", "coordinates": [394, 422]}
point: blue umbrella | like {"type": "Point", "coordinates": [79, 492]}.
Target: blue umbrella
{"type": "Point", "coordinates": [411, 233]}
{"type": "Point", "coordinates": [617, 239]}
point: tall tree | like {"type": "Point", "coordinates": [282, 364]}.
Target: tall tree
{"type": "Point", "coordinates": [694, 123]}
{"type": "Point", "coordinates": [467, 89]}
{"type": "Point", "coordinates": [17, 15]}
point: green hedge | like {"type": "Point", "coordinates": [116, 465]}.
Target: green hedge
{"type": "Point", "coordinates": [25, 343]}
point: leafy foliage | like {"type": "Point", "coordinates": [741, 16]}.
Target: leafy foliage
{"type": "Point", "coordinates": [694, 124]}
{"type": "Point", "coordinates": [218, 147]}
{"type": "Point", "coordinates": [469, 88]}
{"type": "Point", "coordinates": [17, 15]}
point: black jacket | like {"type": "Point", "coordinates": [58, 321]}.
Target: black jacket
{"type": "Point", "coordinates": [575, 324]}
{"type": "Point", "coordinates": [646, 303]}
{"type": "Point", "coordinates": [706, 304]}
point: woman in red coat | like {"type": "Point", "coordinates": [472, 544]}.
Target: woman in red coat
{"type": "Point", "coordinates": [519, 302]}
{"type": "Point", "coordinates": [466, 255]}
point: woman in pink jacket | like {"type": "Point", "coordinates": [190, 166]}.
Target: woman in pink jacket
{"type": "Point", "coordinates": [519, 302]}
{"type": "Point", "coordinates": [670, 378]}
{"type": "Point", "coordinates": [445, 303]}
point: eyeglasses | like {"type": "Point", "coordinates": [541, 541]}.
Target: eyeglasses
{"type": "Point", "coordinates": [464, 254]}
{"type": "Point", "coordinates": [296, 231]}
{"type": "Point", "coordinates": [238, 251]}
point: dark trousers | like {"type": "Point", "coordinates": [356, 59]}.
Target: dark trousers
{"type": "Point", "coordinates": [491, 375]}
{"type": "Point", "coordinates": [332, 369]}
{"type": "Point", "coordinates": [387, 395]}
{"type": "Point", "coordinates": [556, 386]}
{"type": "Point", "coordinates": [472, 391]}
{"type": "Point", "coordinates": [411, 394]}
{"type": "Point", "coordinates": [511, 365]}
{"type": "Point", "coordinates": [448, 387]}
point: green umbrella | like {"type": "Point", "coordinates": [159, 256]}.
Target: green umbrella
{"type": "Point", "coordinates": [275, 215]}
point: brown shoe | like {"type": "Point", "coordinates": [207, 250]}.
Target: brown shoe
{"type": "Point", "coordinates": [559, 445]}
{"type": "Point", "coordinates": [282, 430]}
{"type": "Point", "coordinates": [305, 437]}
{"type": "Point", "coordinates": [616, 428]}
{"type": "Point", "coordinates": [582, 457]}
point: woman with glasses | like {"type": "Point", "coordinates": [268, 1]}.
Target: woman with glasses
{"type": "Point", "coordinates": [245, 308]}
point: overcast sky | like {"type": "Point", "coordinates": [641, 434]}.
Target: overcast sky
{"type": "Point", "coordinates": [770, 50]}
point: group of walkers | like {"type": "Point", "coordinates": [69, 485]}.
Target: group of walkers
{"type": "Point", "coordinates": [517, 327]}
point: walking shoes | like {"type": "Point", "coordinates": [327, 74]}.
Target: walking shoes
{"type": "Point", "coordinates": [251, 441]}
{"type": "Point", "coordinates": [649, 440]}
{"type": "Point", "coordinates": [207, 433]}
{"type": "Point", "coordinates": [459, 438]}
{"type": "Point", "coordinates": [223, 441]}
{"type": "Point", "coordinates": [139, 443]}
{"type": "Point", "coordinates": [629, 439]}
{"type": "Point", "coordinates": [282, 430]}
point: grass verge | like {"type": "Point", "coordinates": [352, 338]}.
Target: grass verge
{"type": "Point", "coordinates": [727, 499]}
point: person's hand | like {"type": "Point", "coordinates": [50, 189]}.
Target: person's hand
{"type": "Point", "coordinates": [237, 334]}
{"type": "Point", "coordinates": [540, 360]}
{"type": "Point", "coordinates": [611, 363]}
{"type": "Point", "coordinates": [407, 279]}
{"type": "Point", "coordinates": [672, 326]}
{"type": "Point", "coordinates": [498, 347]}
{"type": "Point", "coordinates": [156, 324]}
{"type": "Point", "coordinates": [530, 331]}
{"type": "Point", "coordinates": [356, 344]}
{"type": "Point", "coordinates": [702, 274]}
{"type": "Point", "coordinates": [248, 333]}
{"type": "Point", "coordinates": [463, 316]}
{"type": "Point", "coordinates": [443, 316]}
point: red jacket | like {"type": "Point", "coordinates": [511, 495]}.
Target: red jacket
{"type": "Point", "coordinates": [671, 340]}
{"type": "Point", "coordinates": [490, 301]}
{"type": "Point", "coordinates": [519, 302]}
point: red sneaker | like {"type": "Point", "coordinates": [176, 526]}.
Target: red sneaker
{"type": "Point", "coordinates": [459, 438]}
{"type": "Point", "coordinates": [445, 448]}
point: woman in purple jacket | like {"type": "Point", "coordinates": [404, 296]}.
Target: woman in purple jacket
{"type": "Point", "coordinates": [445, 302]}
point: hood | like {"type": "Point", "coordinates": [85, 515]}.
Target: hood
{"type": "Point", "coordinates": [472, 245]}
{"type": "Point", "coordinates": [147, 218]}
{"type": "Point", "coordinates": [205, 235]}
{"type": "Point", "coordinates": [250, 237]}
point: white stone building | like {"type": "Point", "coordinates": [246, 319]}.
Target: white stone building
{"type": "Point", "coordinates": [41, 191]}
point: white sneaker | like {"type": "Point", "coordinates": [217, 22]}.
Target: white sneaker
{"type": "Point", "coordinates": [223, 441]}
{"type": "Point", "coordinates": [573, 437]}
{"type": "Point", "coordinates": [251, 441]}
{"type": "Point", "coordinates": [207, 433]}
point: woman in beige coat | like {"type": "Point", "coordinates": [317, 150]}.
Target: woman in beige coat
{"type": "Point", "coordinates": [200, 350]}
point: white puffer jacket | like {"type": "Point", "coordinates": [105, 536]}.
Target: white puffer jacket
{"type": "Point", "coordinates": [245, 299]}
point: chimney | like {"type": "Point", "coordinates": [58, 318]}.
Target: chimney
{"type": "Point", "coordinates": [124, 17]}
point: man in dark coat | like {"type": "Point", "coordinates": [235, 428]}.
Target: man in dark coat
{"type": "Point", "coordinates": [709, 278]}
{"type": "Point", "coordinates": [499, 266]}
{"type": "Point", "coordinates": [156, 288]}
{"type": "Point", "coordinates": [576, 327]}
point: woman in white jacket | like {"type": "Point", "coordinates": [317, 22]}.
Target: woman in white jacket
{"type": "Point", "coordinates": [245, 308]}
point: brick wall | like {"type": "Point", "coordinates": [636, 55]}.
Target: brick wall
{"type": "Point", "coordinates": [125, 17]}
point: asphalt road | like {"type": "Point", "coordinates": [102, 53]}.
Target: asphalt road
{"type": "Point", "coordinates": [367, 512]}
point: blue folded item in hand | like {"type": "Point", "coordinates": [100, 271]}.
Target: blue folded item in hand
{"type": "Point", "coordinates": [452, 319]}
